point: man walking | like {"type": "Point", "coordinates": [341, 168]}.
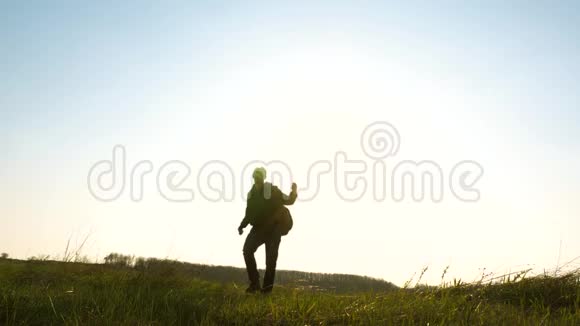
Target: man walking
{"type": "Point", "coordinates": [265, 211]}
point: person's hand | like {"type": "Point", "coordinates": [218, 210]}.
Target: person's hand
{"type": "Point", "coordinates": [294, 187]}
{"type": "Point", "coordinates": [240, 230]}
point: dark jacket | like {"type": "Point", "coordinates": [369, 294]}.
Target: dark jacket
{"type": "Point", "coordinates": [262, 205]}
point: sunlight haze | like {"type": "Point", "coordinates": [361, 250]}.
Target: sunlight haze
{"type": "Point", "coordinates": [494, 83]}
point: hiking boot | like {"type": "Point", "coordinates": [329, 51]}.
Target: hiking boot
{"type": "Point", "coordinates": [267, 289]}
{"type": "Point", "coordinates": [253, 288]}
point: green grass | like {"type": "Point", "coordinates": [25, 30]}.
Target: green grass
{"type": "Point", "coordinates": [45, 292]}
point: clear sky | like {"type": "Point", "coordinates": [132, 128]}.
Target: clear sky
{"type": "Point", "coordinates": [497, 82]}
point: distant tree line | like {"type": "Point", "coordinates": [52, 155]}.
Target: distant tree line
{"type": "Point", "coordinates": [119, 260]}
{"type": "Point", "coordinates": [227, 274]}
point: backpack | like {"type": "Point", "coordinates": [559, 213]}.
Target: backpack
{"type": "Point", "coordinates": [284, 220]}
{"type": "Point", "coordinates": [275, 214]}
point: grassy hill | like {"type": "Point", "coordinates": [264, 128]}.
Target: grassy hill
{"type": "Point", "coordinates": [167, 292]}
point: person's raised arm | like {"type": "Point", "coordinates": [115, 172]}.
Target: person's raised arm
{"type": "Point", "coordinates": [290, 199]}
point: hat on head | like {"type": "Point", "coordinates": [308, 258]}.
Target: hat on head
{"type": "Point", "coordinates": [259, 172]}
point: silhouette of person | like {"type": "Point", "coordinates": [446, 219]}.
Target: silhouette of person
{"type": "Point", "coordinates": [264, 211]}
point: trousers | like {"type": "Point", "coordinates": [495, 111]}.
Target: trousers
{"type": "Point", "coordinates": [257, 237]}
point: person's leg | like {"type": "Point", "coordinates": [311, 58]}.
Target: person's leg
{"type": "Point", "coordinates": [253, 241]}
{"type": "Point", "coordinates": [272, 245]}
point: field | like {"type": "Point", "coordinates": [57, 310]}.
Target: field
{"type": "Point", "coordinates": [156, 292]}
